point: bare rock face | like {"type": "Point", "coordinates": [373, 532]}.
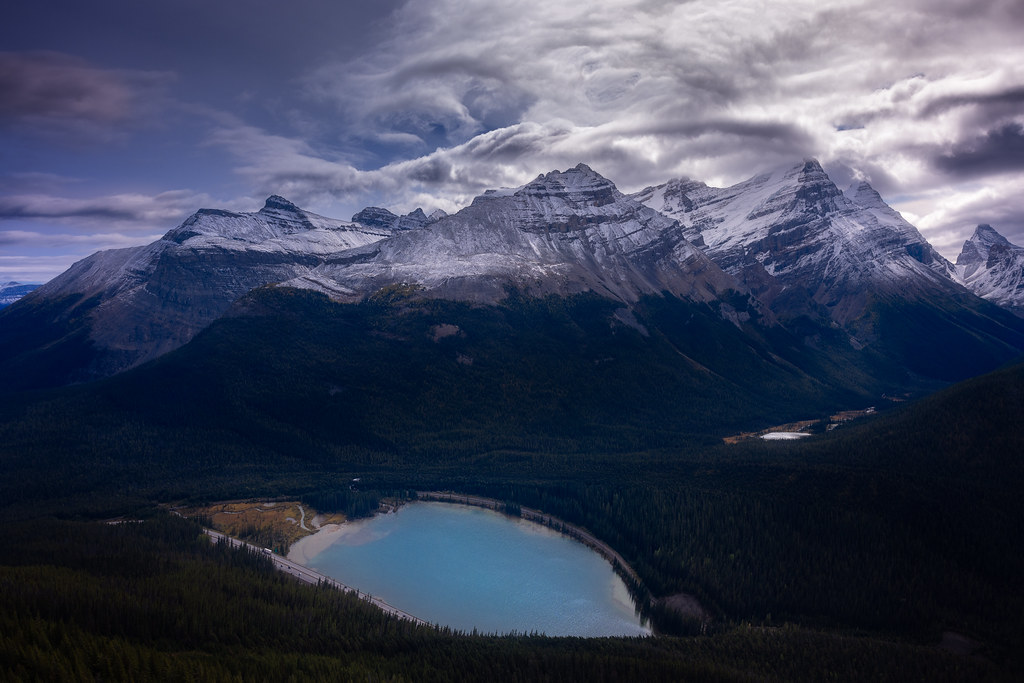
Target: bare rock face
{"type": "Point", "coordinates": [993, 268]}
{"type": "Point", "coordinates": [374, 217]}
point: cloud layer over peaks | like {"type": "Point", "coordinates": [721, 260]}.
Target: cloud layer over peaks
{"type": "Point", "coordinates": [429, 102]}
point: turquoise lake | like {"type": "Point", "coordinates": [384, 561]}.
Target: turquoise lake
{"type": "Point", "coordinates": [468, 567]}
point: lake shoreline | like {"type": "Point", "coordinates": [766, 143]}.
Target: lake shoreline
{"type": "Point", "coordinates": [685, 604]}
{"type": "Point", "coordinates": [354, 533]}
{"type": "Point", "coordinates": [306, 548]}
{"type": "Point", "coordinates": [572, 531]}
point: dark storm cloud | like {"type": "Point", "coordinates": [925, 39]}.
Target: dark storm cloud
{"type": "Point", "coordinates": [48, 91]}
{"type": "Point", "coordinates": [25, 238]}
{"type": "Point", "coordinates": [786, 133]}
{"type": "Point", "coordinates": [34, 181]}
{"type": "Point", "coordinates": [1002, 102]}
{"type": "Point", "coordinates": [432, 171]}
{"type": "Point", "coordinates": [11, 208]}
{"type": "Point", "coordinates": [131, 211]}
{"type": "Point", "coordinates": [428, 102]}
{"type": "Point", "coordinates": [997, 151]}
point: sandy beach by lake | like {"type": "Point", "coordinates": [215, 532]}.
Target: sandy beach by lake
{"type": "Point", "coordinates": [308, 547]}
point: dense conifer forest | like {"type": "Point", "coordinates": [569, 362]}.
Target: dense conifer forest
{"type": "Point", "coordinates": [156, 600]}
{"type": "Point", "coordinates": [848, 555]}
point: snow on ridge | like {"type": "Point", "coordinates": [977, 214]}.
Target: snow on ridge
{"type": "Point", "coordinates": [565, 231]}
{"type": "Point", "coordinates": [796, 210]}
{"type": "Point", "coordinates": [993, 268]}
{"type": "Point", "coordinates": [791, 222]}
{"type": "Point", "coordinates": [278, 226]}
{"type": "Point", "coordinates": [13, 291]}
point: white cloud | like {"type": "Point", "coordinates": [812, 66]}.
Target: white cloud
{"type": "Point", "coordinates": [643, 91]}
{"type": "Point", "coordinates": [462, 95]}
{"type": "Point", "coordinates": [948, 215]}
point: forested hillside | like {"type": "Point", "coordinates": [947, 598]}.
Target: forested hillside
{"type": "Point", "coordinates": [155, 600]}
{"type": "Point", "coordinates": [874, 539]}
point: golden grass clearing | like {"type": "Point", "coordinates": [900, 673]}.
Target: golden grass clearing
{"type": "Point", "coordinates": [270, 524]}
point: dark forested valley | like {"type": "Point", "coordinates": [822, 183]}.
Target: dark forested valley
{"type": "Point", "coordinates": [846, 555]}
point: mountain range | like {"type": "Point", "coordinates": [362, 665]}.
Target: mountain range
{"type": "Point", "coordinates": [12, 291]}
{"type": "Point", "coordinates": [785, 252]}
{"type": "Point", "coordinates": [562, 346]}
{"type": "Point", "coordinates": [993, 268]}
{"type": "Point", "coordinates": [803, 246]}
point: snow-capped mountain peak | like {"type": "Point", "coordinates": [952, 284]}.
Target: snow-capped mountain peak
{"type": "Point", "coordinates": [564, 232]}
{"type": "Point", "coordinates": [792, 227]}
{"type": "Point", "coordinates": [783, 247]}
{"type": "Point", "coordinates": [279, 219]}
{"type": "Point", "coordinates": [561, 193]}
{"type": "Point", "coordinates": [154, 298]}
{"type": "Point", "coordinates": [993, 268]}
{"type": "Point", "coordinates": [375, 217]}
{"type": "Point", "coordinates": [976, 250]}
{"type": "Point", "coordinates": [866, 196]}
{"type": "Point", "coordinates": [277, 203]}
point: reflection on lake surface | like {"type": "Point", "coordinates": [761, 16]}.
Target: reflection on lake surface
{"type": "Point", "coordinates": [468, 567]}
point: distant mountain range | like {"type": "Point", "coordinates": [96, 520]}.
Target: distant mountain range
{"type": "Point", "coordinates": [12, 291]}
{"type": "Point", "coordinates": [993, 268]}
{"type": "Point", "coordinates": [783, 252]}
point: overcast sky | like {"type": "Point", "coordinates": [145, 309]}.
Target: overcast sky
{"type": "Point", "coordinates": [119, 118]}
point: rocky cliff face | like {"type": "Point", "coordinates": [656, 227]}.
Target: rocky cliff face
{"type": "Point", "coordinates": [993, 268]}
{"type": "Point", "coordinates": [376, 218]}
